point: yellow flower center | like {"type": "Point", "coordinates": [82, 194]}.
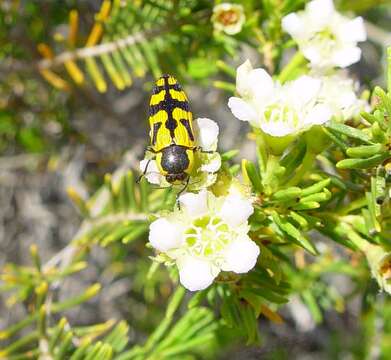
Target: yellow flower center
{"type": "Point", "coordinates": [207, 236]}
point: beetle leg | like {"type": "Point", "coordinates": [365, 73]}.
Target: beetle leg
{"type": "Point", "coordinates": [198, 148]}
{"type": "Point", "coordinates": [144, 172]}
{"type": "Point", "coordinates": [180, 192]}
{"type": "Point", "coordinates": [150, 149]}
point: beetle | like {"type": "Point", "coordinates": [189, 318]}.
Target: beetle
{"type": "Point", "coordinates": [171, 131]}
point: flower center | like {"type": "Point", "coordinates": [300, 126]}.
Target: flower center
{"type": "Point", "coordinates": [228, 17]}
{"type": "Point", "coordinates": [281, 113]}
{"type": "Point", "coordinates": [207, 236]}
{"type": "Point", "coordinates": [326, 34]}
{"type": "Point", "coordinates": [385, 270]}
{"type": "Point", "coordinates": [325, 41]}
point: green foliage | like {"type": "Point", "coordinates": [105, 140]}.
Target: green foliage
{"type": "Point", "coordinates": [139, 37]}
{"type": "Point", "coordinates": [332, 183]}
{"type": "Point", "coordinates": [133, 38]}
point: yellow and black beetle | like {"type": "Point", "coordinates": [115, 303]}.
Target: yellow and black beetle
{"type": "Point", "coordinates": [171, 130]}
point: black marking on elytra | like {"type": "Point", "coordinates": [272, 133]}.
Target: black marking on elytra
{"type": "Point", "coordinates": [157, 88]}
{"type": "Point", "coordinates": [174, 159]}
{"type": "Point", "coordinates": [186, 124]}
{"type": "Point", "coordinates": [171, 125]}
{"type": "Point", "coordinates": [156, 127]}
{"type": "Point", "coordinates": [168, 104]}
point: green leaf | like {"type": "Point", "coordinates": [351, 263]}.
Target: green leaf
{"type": "Point", "coordinates": [315, 188]}
{"type": "Point", "coordinates": [186, 347]}
{"type": "Point", "coordinates": [337, 139]}
{"type": "Point", "coordinates": [363, 163]}
{"type": "Point", "coordinates": [379, 187]}
{"type": "Point", "coordinates": [385, 99]}
{"type": "Point", "coordinates": [136, 232]}
{"type": "Point", "coordinates": [266, 294]}
{"type": "Point", "coordinates": [228, 155]}
{"type": "Point", "coordinates": [369, 117]}
{"type": "Point", "coordinates": [19, 344]}
{"type": "Point", "coordinates": [349, 131]}
{"type": "Point", "coordinates": [227, 312]}
{"type": "Point", "coordinates": [318, 197]}
{"type": "Point", "coordinates": [378, 134]}
{"type": "Point", "coordinates": [65, 346]}
{"type": "Point", "coordinates": [313, 306]}
{"type": "Point", "coordinates": [250, 322]}
{"type": "Point", "coordinates": [253, 175]}
{"type": "Point", "coordinates": [374, 211]}
{"type": "Point", "coordinates": [306, 205]}
{"type": "Point", "coordinates": [294, 233]}
{"type": "Point", "coordinates": [287, 194]}
{"type": "Point", "coordinates": [300, 220]}
{"type": "Point", "coordinates": [223, 85]}
{"type": "Point", "coordinates": [365, 150]}
{"type": "Point", "coordinates": [227, 69]}
{"type": "Point", "coordinates": [197, 298]}
{"type": "Point", "coordinates": [118, 337]}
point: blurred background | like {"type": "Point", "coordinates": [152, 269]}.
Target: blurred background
{"type": "Point", "coordinates": [55, 134]}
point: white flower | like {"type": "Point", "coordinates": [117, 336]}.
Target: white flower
{"type": "Point", "coordinates": [379, 261]}
{"type": "Point", "coordinates": [325, 37]}
{"type": "Point", "coordinates": [279, 110]}
{"type": "Point", "coordinates": [228, 18]}
{"type": "Point", "coordinates": [208, 234]}
{"type": "Point", "coordinates": [379, 258]}
{"type": "Point", "coordinates": [170, 240]}
{"type": "Point", "coordinates": [206, 164]}
{"type": "Point", "coordinates": [339, 92]}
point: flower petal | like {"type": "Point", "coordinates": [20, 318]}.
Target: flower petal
{"type": "Point", "coordinates": [153, 174]}
{"type": "Point", "coordinates": [318, 115]}
{"type": "Point", "coordinates": [294, 25]}
{"type": "Point", "coordinates": [235, 28]}
{"type": "Point", "coordinates": [353, 30]}
{"type": "Point", "coordinates": [253, 83]}
{"type": "Point", "coordinates": [195, 274]}
{"type": "Point", "coordinates": [278, 128]}
{"type": "Point", "coordinates": [208, 131]}
{"type": "Point", "coordinates": [260, 85]}
{"type": "Point", "coordinates": [212, 164]}
{"type": "Point", "coordinates": [241, 255]}
{"type": "Point", "coordinates": [236, 210]}
{"type": "Point", "coordinates": [320, 11]}
{"type": "Point", "coordinates": [242, 73]}
{"type": "Point", "coordinates": [164, 235]}
{"type": "Point", "coordinates": [347, 56]}
{"type": "Point", "coordinates": [312, 52]}
{"type": "Point", "coordinates": [303, 90]}
{"type": "Point", "coordinates": [242, 110]}
{"type": "Point", "coordinates": [194, 204]}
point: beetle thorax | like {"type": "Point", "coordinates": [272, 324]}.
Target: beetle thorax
{"type": "Point", "coordinates": [175, 162]}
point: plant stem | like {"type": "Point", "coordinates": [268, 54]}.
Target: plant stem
{"type": "Point", "coordinates": [354, 205]}
{"type": "Point", "coordinates": [172, 307]}
{"type": "Point", "coordinates": [389, 69]}
{"type": "Point", "coordinates": [297, 60]}
{"type": "Point", "coordinates": [307, 163]}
